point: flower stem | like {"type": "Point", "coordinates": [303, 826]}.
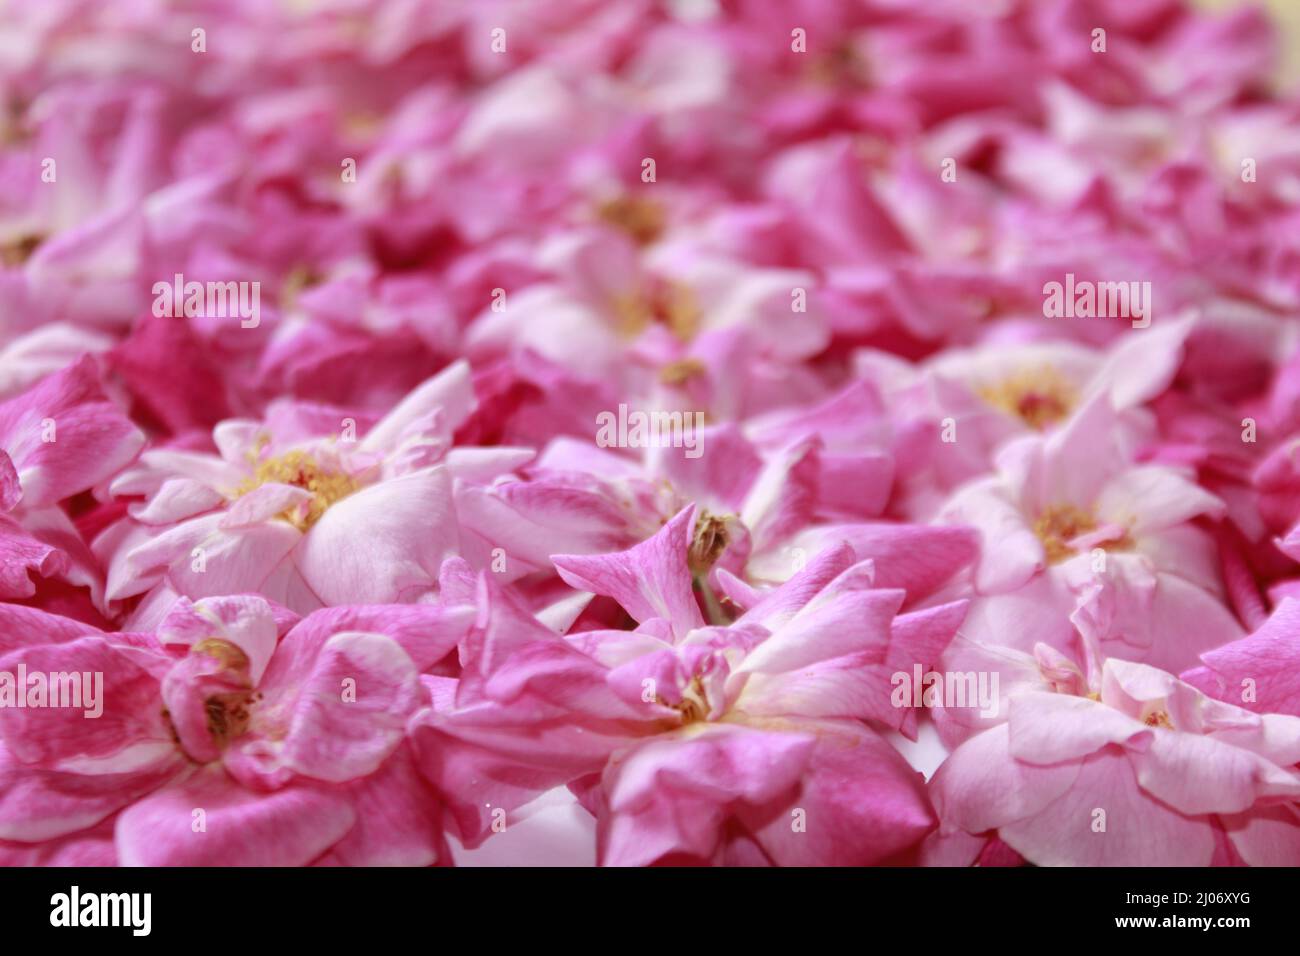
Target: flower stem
{"type": "Point", "coordinates": [713, 610]}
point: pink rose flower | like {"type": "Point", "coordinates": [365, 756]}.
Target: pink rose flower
{"type": "Point", "coordinates": [689, 740]}
{"type": "Point", "coordinates": [1085, 768]}
{"type": "Point", "coordinates": [236, 734]}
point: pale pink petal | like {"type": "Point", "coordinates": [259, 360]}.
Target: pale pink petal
{"type": "Point", "coordinates": [1152, 497]}
{"type": "Point", "coordinates": [1142, 366]}
{"type": "Point", "coordinates": [450, 392]}
{"type": "Point", "coordinates": [830, 626]}
{"type": "Point", "coordinates": [427, 632]}
{"type": "Point", "coordinates": [20, 556]}
{"type": "Point", "coordinates": [1196, 774]}
{"type": "Point", "coordinates": [1266, 836]}
{"type": "Point", "coordinates": [176, 500]}
{"type": "Point", "coordinates": [264, 503]}
{"type": "Point", "coordinates": [783, 495]}
{"type": "Point", "coordinates": [1010, 553]}
{"type": "Point", "coordinates": [1262, 672]}
{"type": "Point", "coordinates": [777, 606]}
{"type": "Point", "coordinates": [1139, 830]}
{"type": "Point", "coordinates": [22, 626]}
{"type": "Point", "coordinates": [982, 787]}
{"type": "Point", "coordinates": [1050, 728]}
{"type": "Point", "coordinates": [383, 544]}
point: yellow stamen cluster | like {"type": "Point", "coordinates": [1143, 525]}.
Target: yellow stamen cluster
{"type": "Point", "coordinates": [1039, 397]}
{"type": "Point", "coordinates": [15, 252]}
{"type": "Point", "coordinates": [299, 279]}
{"type": "Point", "coordinates": [679, 310]}
{"type": "Point", "coordinates": [229, 656]}
{"type": "Point", "coordinates": [841, 67]}
{"type": "Point", "coordinates": [1059, 525]}
{"type": "Point", "coordinates": [302, 471]}
{"type": "Point", "coordinates": [694, 705]}
{"type": "Point", "coordinates": [632, 314]}
{"type": "Point", "coordinates": [681, 371]}
{"type": "Point", "coordinates": [708, 543]}
{"type": "Point", "coordinates": [641, 218]}
{"type": "Point", "coordinates": [228, 713]}
{"type": "Point", "coordinates": [1158, 718]}
{"type": "Point", "coordinates": [363, 124]}
{"type": "Point", "coordinates": [14, 128]}
{"type": "Point", "coordinates": [672, 303]}
{"type": "Point", "coordinates": [872, 151]}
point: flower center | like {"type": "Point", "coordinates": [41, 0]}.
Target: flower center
{"type": "Point", "coordinates": [14, 129]}
{"type": "Point", "coordinates": [15, 252]}
{"type": "Point", "coordinates": [642, 219]}
{"type": "Point", "coordinates": [1038, 397]}
{"type": "Point", "coordinates": [228, 655]}
{"type": "Point", "coordinates": [1158, 717]}
{"type": "Point", "coordinates": [299, 279]}
{"type": "Point", "coordinates": [671, 303]}
{"type": "Point", "coordinates": [1058, 526]}
{"type": "Point", "coordinates": [841, 67]}
{"type": "Point", "coordinates": [299, 469]}
{"type": "Point", "coordinates": [228, 714]}
{"type": "Point", "coordinates": [694, 705]}
{"type": "Point", "coordinates": [708, 543]}
{"type": "Point", "coordinates": [681, 371]}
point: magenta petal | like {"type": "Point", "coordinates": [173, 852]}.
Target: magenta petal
{"type": "Point", "coordinates": [20, 555]}
{"type": "Point", "coordinates": [129, 698]}
{"type": "Point", "coordinates": [38, 804]}
{"type": "Point", "coordinates": [335, 713]}
{"type": "Point", "coordinates": [1262, 672]}
{"type": "Point", "coordinates": [236, 827]}
{"type": "Point", "coordinates": [11, 490]}
{"type": "Point", "coordinates": [22, 626]}
{"type": "Point", "coordinates": [859, 803]}
{"type": "Point", "coordinates": [650, 580]}
{"type": "Point", "coordinates": [92, 438]}
{"type": "Point", "coordinates": [399, 819]}
{"type": "Point", "coordinates": [668, 795]}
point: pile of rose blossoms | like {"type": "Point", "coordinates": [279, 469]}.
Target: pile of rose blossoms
{"type": "Point", "coordinates": [639, 433]}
